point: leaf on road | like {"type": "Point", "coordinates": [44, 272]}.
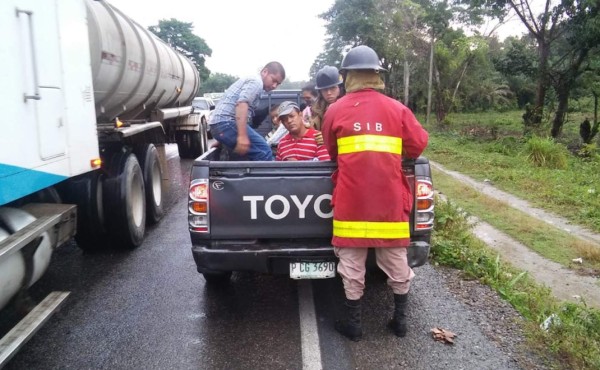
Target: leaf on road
{"type": "Point", "coordinates": [443, 335]}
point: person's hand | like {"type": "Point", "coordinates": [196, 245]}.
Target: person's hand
{"type": "Point", "coordinates": [216, 144]}
{"type": "Point", "coordinates": [243, 145]}
{"type": "Point", "coordinates": [319, 138]}
{"type": "Point", "coordinates": [291, 159]}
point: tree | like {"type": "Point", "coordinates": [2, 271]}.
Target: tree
{"type": "Point", "coordinates": [516, 62]}
{"type": "Point", "coordinates": [565, 33]}
{"type": "Point", "coordinates": [580, 34]}
{"type": "Point", "coordinates": [217, 82]}
{"type": "Point", "coordinates": [180, 37]}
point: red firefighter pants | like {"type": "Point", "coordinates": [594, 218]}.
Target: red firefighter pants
{"type": "Point", "coordinates": [392, 261]}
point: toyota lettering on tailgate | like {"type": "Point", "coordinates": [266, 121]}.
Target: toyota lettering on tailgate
{"type": "Point", "coordinates": [279, 206]}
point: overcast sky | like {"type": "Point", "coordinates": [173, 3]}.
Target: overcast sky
{"type": "Point", "coordinates": [245, 35]}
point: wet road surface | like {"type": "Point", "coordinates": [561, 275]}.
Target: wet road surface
{"type": "Point", "coordinates": [150, 309]}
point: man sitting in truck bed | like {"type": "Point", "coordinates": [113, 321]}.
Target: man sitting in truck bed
{"type": "Point", "coordinates": [300, 144]}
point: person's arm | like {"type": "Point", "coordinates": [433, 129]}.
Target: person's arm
{"type": "Point", "coordinates": [329, 138]}
{"type": "Point", "coordinates": [241, 119]}
{"type": "Point", "coordinates": [415, 138]}
{"type": "Point", "coordinates": [250, 91]}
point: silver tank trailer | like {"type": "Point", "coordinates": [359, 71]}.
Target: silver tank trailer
{"type": "Point", "coordinates": [134, 71]}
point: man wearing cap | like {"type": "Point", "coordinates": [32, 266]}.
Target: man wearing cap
{"type": "Point", "coordinates": [300, 143]}
{"type": "Point", "coordinates": [229, 121]}
{"type": "Point", "coordinates": [368, 134]}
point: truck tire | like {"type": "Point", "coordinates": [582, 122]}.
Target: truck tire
{"type": "Point", "coordinates": [88, 193]}
{"type": "Point", "coordinates": [192, 144]}
{"type": "Point", "coordinates": [125, 201]}
{"type": "Point", "coordinates": [184, 144]}
{"type": "Point", "coordinates": [148, 158]}
{"type": "Point", "coordinates": [204, 137]}
{"type": "Point", "coordinates": [216, 278]}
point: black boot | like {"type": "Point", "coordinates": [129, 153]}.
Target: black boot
{"type": "Point", "coordinates": [350, 326]}
{"type": "Point", "coordinates": [398, 321]}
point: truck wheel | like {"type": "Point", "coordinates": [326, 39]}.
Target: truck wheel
{"type": "Point", "coordinates": [208, 134]}
{"type": "Point", "coordinates": [197, 143]}
{"type": "Point", "coordinates": [88, 194]}
{"type": "Point", "coordinates": [184, 144]}
{"type": "Point", "coordinates": [125, 201]}
{"type": "Point", "coordinates": [148, 158]}
{"type": "Point", "coordinates": [214, 278]}
{"type": "Point", "coordinates": [204, 136]}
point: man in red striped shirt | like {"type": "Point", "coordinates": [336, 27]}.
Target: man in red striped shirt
{"type": "Point", "coordinates": [301, 143]}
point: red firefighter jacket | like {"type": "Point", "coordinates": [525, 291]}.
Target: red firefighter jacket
{"type": "Point", "coordinates": [368, 133]}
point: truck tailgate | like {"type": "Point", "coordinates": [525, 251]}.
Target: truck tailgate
{"type": "Point", "coordinates": [278, 200]}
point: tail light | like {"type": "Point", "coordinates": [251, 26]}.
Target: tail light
{"type": "Point", "coordinates": [424, 205]}
{"type": "Point", "coordinates": [198, 206]}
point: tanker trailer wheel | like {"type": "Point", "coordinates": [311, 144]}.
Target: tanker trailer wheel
{"type": "Point", "coordinates": [87, 192]}
{"type": "Point", "coordinates": [204, 137]}
{"type": "Point", "coordinates": [184, 144]}
{"type": "Point", "coordinates": [125, 201]}
{"type": "Point", "coordinates": [198, 142]}
{"type": "Point", "coordinates": [148, 157]}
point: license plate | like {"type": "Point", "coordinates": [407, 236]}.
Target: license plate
{"type": "Point", "coordinates": [312, 270]}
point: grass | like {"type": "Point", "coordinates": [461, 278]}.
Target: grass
{"type": "Point", "coordinates": [573, 341]}
{"type": "Point", "coordinates": [548, 241]}
{"type": "Point", "coordinates": [490, 146]}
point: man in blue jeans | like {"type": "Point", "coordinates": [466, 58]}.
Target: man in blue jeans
{"type": "Point", "coordinates": [229, 122]}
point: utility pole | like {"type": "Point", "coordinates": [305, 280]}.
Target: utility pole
{"type": "Point", "coordinates": [430, 77]}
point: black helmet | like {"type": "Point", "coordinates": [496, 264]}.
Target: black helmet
{"type": "Point", "coordinates": [361, 57]}
{"type": "Point", "coordinates": [328, 76]}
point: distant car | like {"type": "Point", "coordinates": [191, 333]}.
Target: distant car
{"type": "Point", "coordinates": [204, 107]}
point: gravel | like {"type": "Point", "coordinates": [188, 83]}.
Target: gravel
{"type": "Point", "coordinates": [498, 320]}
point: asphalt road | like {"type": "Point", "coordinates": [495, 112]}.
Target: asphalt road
{"type": "Point", "coordinates": [150, 309]}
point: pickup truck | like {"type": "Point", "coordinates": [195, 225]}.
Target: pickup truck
{"type": "Point", "coordinates": [276, 217]}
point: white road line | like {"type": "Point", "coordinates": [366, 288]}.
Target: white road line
{"type": "Point", "coordinates": [309, 334]}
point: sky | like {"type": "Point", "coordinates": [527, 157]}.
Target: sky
{"type": "Point", "coordinates": [245, 35]}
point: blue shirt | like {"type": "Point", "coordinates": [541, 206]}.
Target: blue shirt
{"type": "Point", "coordinates": [243, 90]}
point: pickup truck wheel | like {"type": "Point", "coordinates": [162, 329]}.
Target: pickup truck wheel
{"type": "Point", "coordinates": [125, 201]}
{"type": "Point", "coordinates": [87, 193]}
{"type": "Point", "coordinates": [217, 277]}
{"type": "Point", "coordinates": [148, 157]}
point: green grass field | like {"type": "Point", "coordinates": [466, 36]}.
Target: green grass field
{"type": "Point", "coordinates": [491, 146]}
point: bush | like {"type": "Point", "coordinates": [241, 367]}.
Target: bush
{"type": "Point", "coordinates": [545, 152]}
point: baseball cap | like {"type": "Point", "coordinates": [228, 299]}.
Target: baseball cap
{"type": "Point", "coordinates": [286, 108]}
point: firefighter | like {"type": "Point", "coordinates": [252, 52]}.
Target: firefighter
{"type": "Point", "coordinates": [368, 134]}
{"type": "Point", "coordinates": [328, 86]}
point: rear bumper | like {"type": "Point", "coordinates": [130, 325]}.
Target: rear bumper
{"type": "Point", "coordinates": [278, 261]}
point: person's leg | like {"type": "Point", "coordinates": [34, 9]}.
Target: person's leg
{"type": "Point", "coordinates": [226, 134]}
{"type": "Point", "coordinates": [260, 150]}
{"type": "Point", "coordinates": [351, 268]}
{"type": "Point", "coordinates": [394, 262]}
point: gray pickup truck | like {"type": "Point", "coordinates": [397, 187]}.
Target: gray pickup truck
{"type": "Point", "coordinates": [276, 217]}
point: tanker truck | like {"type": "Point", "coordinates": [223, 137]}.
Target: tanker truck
{"type": "Point", "coordinates": [89, 99]}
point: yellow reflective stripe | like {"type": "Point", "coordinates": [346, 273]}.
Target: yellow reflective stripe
{"type": "Point", "coordinates": [371, 230]}
{"type": "Point", "coordinates": [374, 143]}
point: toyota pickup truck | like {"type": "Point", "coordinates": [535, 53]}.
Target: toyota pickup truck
{"type": "Point", "coordinates": [276, 217]}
